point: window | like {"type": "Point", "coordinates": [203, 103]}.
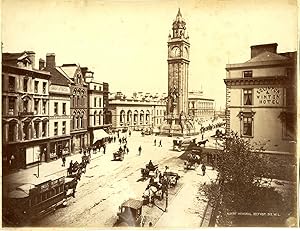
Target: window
{"type": "Point", "coordinates": [44, 88]}
{"type": "Point", "coordinates": [247, 74]}
{"type": "Point", "coordinates": [44, 106]}
{"type": "Point", "coordinates": [36, 86]}
{"type": "Point", "coordinates": [36, 106]}
{"type": "Point", "coordinates": [74, 122]}
{"type": "Point", "coordinates": [81, 122]}
{"type": "Point", "coordinates": [95, 87]}
{"type": "Point", "coordinates": [247, 96]}
{"type": "Point", "coordinates": [26, 131]}
{"type": "Point", "coordinates": [55, 128]}
{"type": "Point", "coordinates": [11, 132]}
{"type": "Point", "coordinates": [64, 108]}
{"type": "Point", "coordinates": [95, 113]}
{"type": "Point", "coordinates": [11, 106]}
{"type": "Point", "coordinates": [55, 108]}
{"type": "Point", "coordinates": [36, 129]}
{"type": "Point", "coordinates": [82, 100]}
{"type": "Point", "coordinates": [99, 88]}
{"type": "Point", "coordinates": [99, 102]}
{"type": "Point", "coordinates": [247, 124]}
{"type": "Point", "coordinates": [95, 102]}
{"type": "Point", "coordinates": [78, 100]}
{"type": "Point", "coordinates": [78, 122]}
{"type": "Point", "coordinates": [25, 105]}
{"type": "Point", "coordinates": [11, 83]}
{"type": "Point", "coordinates": [25, 83]}
{"type": "Point", "coordinates": [64, 127]}
{"type": "Point", "coordinates": [44, 129]}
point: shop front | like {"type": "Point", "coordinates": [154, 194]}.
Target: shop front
{"type": "Point", "coordinates": [59, 148]}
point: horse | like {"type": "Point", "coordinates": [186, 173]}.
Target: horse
{"type": "Point", "coordinates": [154, 190]}
{"type": "Point", "coordinates": [202, 142]}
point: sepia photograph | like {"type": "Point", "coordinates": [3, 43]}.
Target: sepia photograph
{"type": "Point", "coordinates": [149, 114]}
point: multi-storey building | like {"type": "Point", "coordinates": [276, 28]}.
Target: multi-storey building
{"type": "Point", "coordinates": [25, 105]}
{"type": "Point", "coordinates": [201, 108]}
{"type": "Point", "coordinates": [261, 98]}
{"type": "Point", "coordinates": [136, 113]}
{"type": "Point", "coordinates": [97, 105]}
{"type": "Point", "coordinates": [59, 109]}
{"type": "Point", "coordinates": [78, 106]}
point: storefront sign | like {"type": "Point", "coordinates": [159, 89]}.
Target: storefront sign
{"type": "Point", "coordinates": [59, 89]}
{"type": "Point", "coordinates": [269, 96]}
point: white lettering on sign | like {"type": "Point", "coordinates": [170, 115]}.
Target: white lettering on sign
{"type": "Point", "coordinates": [59, 89]}
{"type": "Point", "coordinates": [269, 96]}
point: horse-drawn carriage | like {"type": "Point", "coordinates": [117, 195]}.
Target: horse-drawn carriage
{"type": "Point", "coordinates": [192, 161]}
{"type": "Point", "coordinates": [171, 178]}
{"type": "Point", "coordinates": [76, 169]}
{"type": "Point", "coordinates": [130, 214]}
{"type": "Point", "coordinates": [154, 190]}
{"type": "Point", "coordinates": [119, 155]}
{"type": "Point", "coordinates": [31, 201]}
{"type": "Point", "coordinates": [149, 171]}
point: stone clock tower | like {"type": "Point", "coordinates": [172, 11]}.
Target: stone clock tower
{"type": "Point", "coordinates": [178, 70]}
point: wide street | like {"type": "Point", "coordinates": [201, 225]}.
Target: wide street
{"type": "Point", "coordinates": [107, 183]}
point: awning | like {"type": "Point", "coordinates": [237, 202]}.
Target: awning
{"type": "Point", "coordinates": [99, 135]}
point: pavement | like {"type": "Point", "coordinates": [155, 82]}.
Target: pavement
{"type": "Point", "coordinates": [189, 207]}
{"type": "Point", "coordinates": [46, 170]}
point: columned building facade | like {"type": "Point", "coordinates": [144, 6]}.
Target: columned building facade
{"type": "Point", "coordinates": [136, 114]}
{"type": "Point", "coordinates": [25, 105]}
{"type": "Point", "coordinates": [201, 108]}
{"type": "Point", "coordinates": [261, 98]}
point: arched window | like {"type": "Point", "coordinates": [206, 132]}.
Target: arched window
{"type": "Point", "coordinates": [74, 122]}
{"type": "Point", "coordinates": [100, 118]}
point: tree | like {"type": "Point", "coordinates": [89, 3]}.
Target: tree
{"type": "Point", "coordinates": [241, 170]}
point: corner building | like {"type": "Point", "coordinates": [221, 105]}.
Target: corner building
{"type": "Point", "coordinates": [261, 98]}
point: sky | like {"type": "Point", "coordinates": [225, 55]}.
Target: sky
{"type": "Point", "coordinates": [125, 42]}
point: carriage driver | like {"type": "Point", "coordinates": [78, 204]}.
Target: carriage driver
{"type": "Point", "coordinates": [150, 165]}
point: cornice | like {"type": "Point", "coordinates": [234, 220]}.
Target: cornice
{"type": "Point", "coordinates": [274, 80]}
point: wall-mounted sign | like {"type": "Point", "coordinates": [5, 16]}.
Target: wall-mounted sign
{"type": "Point", "coordinates": [59, 89]}
{"type": "Point", "coordinates": [268, 96]}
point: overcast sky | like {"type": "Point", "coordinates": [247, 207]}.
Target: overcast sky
{"type": "Point", "coordinates": [125, 42]}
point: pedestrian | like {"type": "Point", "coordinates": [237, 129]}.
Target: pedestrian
{"type": "Point", "coordinates": [140, 150]}
{"type": "Point", "coordinates": [114, 139]}
{"type": "Point", "coordinates": [63, 161]}
{"type": "Point", "coordinates": [155, 142]}
{"type": "Point", "coordinates": [202, 136]}
{"type": "Point", "coordinates": [127, 150]}
{"type": "Point", "coordinates": [160, 144]}
{"type": "Point", "coordinates": [129, 133]}
{"type": "Point", "coordinates": [12, 161]}
{"type": "Point", "coordinates": [104, 148]}
{"type": "Point", "coordinates": [203, 169]}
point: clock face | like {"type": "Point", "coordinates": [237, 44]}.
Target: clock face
{"type": "Point", "coordinates": [175, 52]}
{"type": "Point", "coordinates": [186, 53]}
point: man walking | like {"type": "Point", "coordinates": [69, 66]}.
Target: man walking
{"type": "Point", "coordinates": [160, 144]}
{"type": "Point", "coordinates": [203, 169]}
{"type": "Point", "coordinates": [63, 161]}
{"type": "Point", "coordinates": [155, 142]}
{"type": "Point", "coordinates": [140, 150]}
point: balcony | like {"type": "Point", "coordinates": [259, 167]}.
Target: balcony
{"type": "Point", "coordinates": [25, 113]}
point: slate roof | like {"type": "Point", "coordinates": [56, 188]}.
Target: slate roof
{"type": "Point", "coordinates": [267, 56]}
{"type": "Point", "coordinates": [69, 69]}
{"type": "Point", "coordinates": [57, 77]}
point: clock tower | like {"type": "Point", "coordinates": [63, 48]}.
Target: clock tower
{"type": "Point", "coordinates": [178, 70]}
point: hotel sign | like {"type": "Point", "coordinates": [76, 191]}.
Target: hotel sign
{"type": "Point", "coordinates": [269, 96]}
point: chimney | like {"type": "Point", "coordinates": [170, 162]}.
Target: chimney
{"type": "Point", "coordinates": [41, 64]}
{"type": "Point", "coordinates": [31, 55]}
{"type": "Point", "coordinates": [50, 60]}
{"type": "Point", "coordinates": [257, 49]}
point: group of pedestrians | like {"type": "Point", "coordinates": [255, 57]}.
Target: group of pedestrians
{"type": "Point", "coordinates": [160, 143]}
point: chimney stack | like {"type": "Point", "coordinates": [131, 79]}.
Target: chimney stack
{"type": "Point", "coordinates": [50, 60]}
{"type": "Point", "coordinates": [31, 55]}
{"type": "Point", "coordinates": [258, 49]}
{"type": "Point", "coordinates": [41, 64]}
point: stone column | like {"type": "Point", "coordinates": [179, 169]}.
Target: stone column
{"type": "Point", "coordinates": [6, 127]}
